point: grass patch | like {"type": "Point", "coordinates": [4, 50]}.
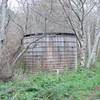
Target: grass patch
{"type": "Point", "coordinates": [82, 84]}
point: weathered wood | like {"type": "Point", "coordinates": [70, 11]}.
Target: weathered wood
{"type": "Point", "coordinates": [52, 52]}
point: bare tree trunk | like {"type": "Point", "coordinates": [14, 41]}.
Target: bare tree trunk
{"type": "Point", "coordinates": [3, 23]}
{"type": "Point", "coordinates": [4, 62]}
{"type": "Point", "coordinates": [92, 58]}
{"type": "Point", "coordinates": [89, 42]}
{"type": "Point", "coordinates": [83, 52]}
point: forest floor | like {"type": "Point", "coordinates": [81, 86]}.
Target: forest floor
{"type": "Point", "coordinates": [83, 84]}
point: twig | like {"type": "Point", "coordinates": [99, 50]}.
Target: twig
{"type": "Point", "coordinates": [24, 50]}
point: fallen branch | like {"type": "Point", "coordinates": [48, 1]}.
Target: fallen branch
{"type": "Point", "coordinates": [25, 49]}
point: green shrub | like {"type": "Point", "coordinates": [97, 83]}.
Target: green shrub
{"type": "Point", "coordinates": [72, 85]}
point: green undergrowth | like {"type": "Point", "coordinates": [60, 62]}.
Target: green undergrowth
{"type": "Point", "coordinates": [83, 84]}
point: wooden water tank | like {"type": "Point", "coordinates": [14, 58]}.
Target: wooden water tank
{"type": "Point", "coordinates": [55, 51]}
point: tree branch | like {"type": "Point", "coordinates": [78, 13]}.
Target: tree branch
{"type": "Point", "coordinates": [25, 49]}
{"type": "Point", "coordinates": [70, 22]}
{"type": "Point", "coordinates": [90, 10]}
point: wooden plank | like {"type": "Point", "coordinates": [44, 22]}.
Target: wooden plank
{"type": "Point", "coordinates": [52, 51]}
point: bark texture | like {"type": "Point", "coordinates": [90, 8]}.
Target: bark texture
{"type": "Point", "coordinates": [92, 57]}
{"type": "Point", "coordinates": [4, 55]}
